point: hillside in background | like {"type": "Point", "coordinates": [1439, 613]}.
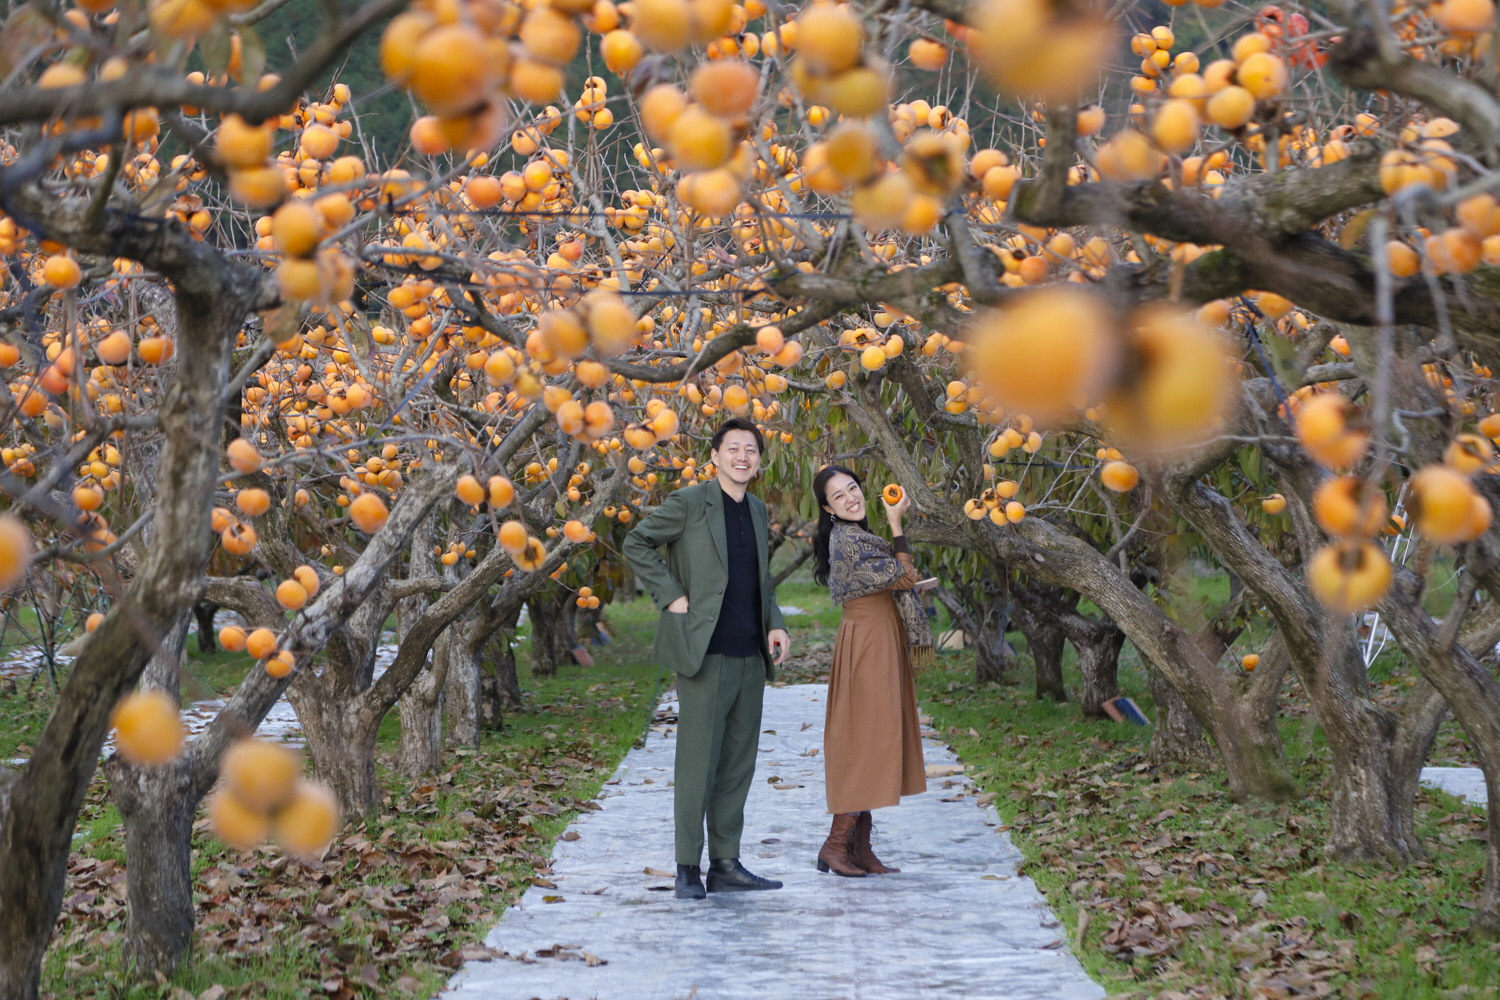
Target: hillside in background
{"type": "Point", "coordinates": [385, 113]}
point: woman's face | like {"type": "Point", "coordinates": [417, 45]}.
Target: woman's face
{"type": "Point", "coordinates": [843, 498]}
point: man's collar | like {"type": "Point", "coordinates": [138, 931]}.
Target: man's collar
{"type": "Point", "coordinates": [717, 488]}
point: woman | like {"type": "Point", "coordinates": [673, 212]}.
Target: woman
{"type": "Point", "coordinates": [872, 747]}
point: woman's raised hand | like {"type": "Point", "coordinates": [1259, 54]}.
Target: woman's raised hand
{"type": "Point", "coordinates": [893, 511]}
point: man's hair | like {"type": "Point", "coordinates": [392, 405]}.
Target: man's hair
{"type": "Point", "coordinates": [738, 424]}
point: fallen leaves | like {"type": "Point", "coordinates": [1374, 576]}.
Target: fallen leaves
{"type": "Point", "coordinates": [570, 953]}
{"type": "Point", "coordinates": [394, 903]}
{"type": "Point", "coordinates": [215, 992]}
{"type": "Point", "coordinates": [809, 662]}
{"type": "Point", "coordinates": [1192, 897]}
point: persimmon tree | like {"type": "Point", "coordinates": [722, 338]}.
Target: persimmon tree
{"type": "Point", "coordinates": [1095, 290]}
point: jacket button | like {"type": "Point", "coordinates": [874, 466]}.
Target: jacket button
{"type": "Point", "coordinates": [710, 617]}
{"type": "Point", "coordinates": [721, 590]}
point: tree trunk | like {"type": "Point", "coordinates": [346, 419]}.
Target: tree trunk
{"type": "Point", "coordinates": [992, 657]}
{"type": "Point", "coordinates": [463, 695]}
{"type": "Point", "coordinates": [500, 685]}
{"type": "Point", "coordinates": [333, 710]}
{"type": "Point", "coordinates": [1365, 818]}
{"type": "Point", "coordinates": [986, 631]}
{"type": "Point", "coordinates": [1045, 638]}
{"type": "Point", "coordinates": [420, 749]}
{"type": "Point", "coordinates": [493, 657]}
{"type": "Point", "coordinates": [1365, 821]}
{"type": "Point", "coordinates": [1423, 711]}
{"type": "Point", "coordinates": [1098, 644]}
{"type": "Point", "coordinates": [204, 612]}
{"type": "Point", "coordinates": [421, 712]}
{"type": "Point", "coordinates": [565, 634]}
{"type": "Point", "coordinates": [1470, 691]}
{"type": "Point", "coordinates": [1176, 736]}
{"type": "Point", "coordinates": [552, 637]}
{"type": "Point", "coordinates": [341, 742]}
{"type": "Point", "coordinates": [157, 806]}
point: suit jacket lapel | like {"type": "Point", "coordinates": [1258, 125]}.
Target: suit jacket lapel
{"type": "Point", "coordinates": [758, 518]}
{"type": "Point", "coordinates": [713, 499]}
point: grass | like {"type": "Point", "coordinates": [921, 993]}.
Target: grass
{"type": "Point", "coordinates": [23, 713]}
{"type": "Point", "coordinates": [400, 900]}
{"type": "Point", "coordinates": [1169, 890]}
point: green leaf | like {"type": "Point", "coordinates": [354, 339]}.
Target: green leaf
{"type": "Point", "coordinates": [216, 48]}
{"type": "Point", "coordinates": [1283, 355]}
{"type": "Point", "coordinates": [252, 55]}
{"type": "Point", "coordinates": [1253, 465]}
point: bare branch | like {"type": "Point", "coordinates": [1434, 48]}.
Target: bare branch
{"type": "Point", "coordinates": [150, 86]}
{"type": "Point", "coordinates": [1359, 62]}
{"type": "Point", "coordinates": [720, 347]}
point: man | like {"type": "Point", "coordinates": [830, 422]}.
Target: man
{"type": "Point", "coordinates": [722, 632]}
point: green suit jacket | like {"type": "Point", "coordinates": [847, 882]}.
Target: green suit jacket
{"type": "Point", "coordinates": [680, 549]}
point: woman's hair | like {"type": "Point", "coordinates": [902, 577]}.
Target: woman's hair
{"type": "Point", "coordinates": [826, 520]}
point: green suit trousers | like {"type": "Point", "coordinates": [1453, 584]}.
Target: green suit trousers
{"type": "Point", "coordinates": [718, 730]}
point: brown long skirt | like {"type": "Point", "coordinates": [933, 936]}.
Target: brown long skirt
{"type": "Point", "coordinates": [872, 746]}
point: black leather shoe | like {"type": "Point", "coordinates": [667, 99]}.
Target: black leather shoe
{"type": "Point", "coordinates": [728, 875]}
{"type": "Point", "coordinates": [689, 883]}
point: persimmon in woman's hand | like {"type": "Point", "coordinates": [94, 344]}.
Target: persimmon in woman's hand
{"type": "Point", "coordinates": [896, 502]}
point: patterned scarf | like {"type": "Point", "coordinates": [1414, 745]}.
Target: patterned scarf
{"type": "Point", "coordinates": [860, 564]}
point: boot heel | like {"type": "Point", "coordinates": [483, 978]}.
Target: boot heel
{"type": "Point", "coordinates": [822, 865]}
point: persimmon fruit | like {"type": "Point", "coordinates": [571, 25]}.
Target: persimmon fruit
{"type": "Point", "coordinates": [148, 729]}
{"type": "Point", "coordinates": [308, 822]}
{"type": "Point", "coordinates": [259, 774]}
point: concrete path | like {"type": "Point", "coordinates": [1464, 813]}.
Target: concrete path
{"type": "Point", "coordinates": [956, 923]}
{"type": "Point", "coordinates": [1464, 782]}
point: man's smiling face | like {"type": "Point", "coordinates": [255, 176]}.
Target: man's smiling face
{"type": "Point", "coordinates": [738, 456]}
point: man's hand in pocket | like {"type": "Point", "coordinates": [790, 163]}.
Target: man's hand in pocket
{"type": "Point", "coordinates": [679, 606]}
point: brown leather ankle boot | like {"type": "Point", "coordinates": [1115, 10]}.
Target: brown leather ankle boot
{"type": "Point", "coordinates": [861, 854]}
{"type": "Point", "coordinates": [834, 855]}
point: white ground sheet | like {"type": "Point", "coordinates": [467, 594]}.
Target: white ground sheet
{"type": "Point", "coordinates": [1465, 782]}
{"type": "Point", "coordinates": [957, 922]}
